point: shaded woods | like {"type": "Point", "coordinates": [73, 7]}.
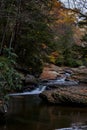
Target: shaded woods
{"type": "Point", "coordinates": [41, 32]}
{"type": "Point", "coordinates": [34, 32]}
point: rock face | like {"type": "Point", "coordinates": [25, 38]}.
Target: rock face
{"type": "Point", "coordinates": [30, 79]}
{"type": "Point", "coordinates": [73, 93]}
{"type": "Point", "coordinates": [30, 83]}
{"type": "Point", "coordinates": [49, 74]}
{"type": "Point", "coordinates": [66, 95]}
{"type": "Point", "coordinates": [50, 71]}
{"type": "Point", "coordinates": [80, 74]}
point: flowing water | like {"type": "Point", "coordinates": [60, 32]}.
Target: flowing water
{"type": "Point", "coordinates": [27, 112]}
{"type": "Point", "coordinates": [38, 90]}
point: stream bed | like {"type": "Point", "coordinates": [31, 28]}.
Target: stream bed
{"type": "Point", "coordinates": [30, 113]}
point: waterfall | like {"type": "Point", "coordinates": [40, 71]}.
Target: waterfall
{"type": "Point", "coordinates": [38, 90]}
{"type": "Point", "coordinates": [41, 88]}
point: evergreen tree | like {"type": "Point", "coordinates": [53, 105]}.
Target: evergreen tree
{"type": "Point", "coordinates": [27, 30]}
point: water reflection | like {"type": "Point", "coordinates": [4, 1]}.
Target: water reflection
{"type": "Point", "coordinates": [28, 113]}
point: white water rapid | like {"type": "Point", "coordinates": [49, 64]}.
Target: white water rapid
{"type": "Point", "coordinates": [41, 88]}
{"type": "Point", "coordinates": [38, 90]}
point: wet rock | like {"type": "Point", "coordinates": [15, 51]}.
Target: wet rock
{"type": "Point", "coordinates": [66, 95]}
{"type": "Point", "coordinates": [29, 83]}
{"type": "Point", "coordinates": [51, 71]}
{"type": "Point", "coordinates": [59, 82]}
{"type": "Point", "coordinates": [69, 91]}
{"type": "Point", "coordinates": [43, 81]}
{"type": "Point", "coordinates": [30, 79]}
{"type": "Point", "coordinates": [80, 71]}
{"type": "Point", "coordinates": [80, 74]}
{"type": "Point", "coordinates": [54, 85]}
{"type": "Point", "coordinates": [28, 88]}
{"type": "Point", "coordinates": [69, 71]}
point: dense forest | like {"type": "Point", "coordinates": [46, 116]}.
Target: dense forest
{"type": "Point", "coordinates": [34, 32]}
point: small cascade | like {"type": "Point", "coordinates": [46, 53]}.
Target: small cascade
{"type": "Point", "coordinates": [84, 127]}
{"type": "Point", "coordinates": [60, 80]}
{"type": "Point", "coordinates": [66, 129]}
{"type": "Point", "coordinates": [38, 90]}
{"type": "Point", "coordinates": [63, 81]}
{"type": "Point", "coordinates": [41, 88]}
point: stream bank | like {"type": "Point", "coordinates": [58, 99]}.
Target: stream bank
{"type": "Point", "coordinates": [73, 93]}
{"type": "Point", "coordinates": [54, 88]}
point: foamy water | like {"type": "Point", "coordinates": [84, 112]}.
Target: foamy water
{"type": "Point", "coordinates": [38, 90]}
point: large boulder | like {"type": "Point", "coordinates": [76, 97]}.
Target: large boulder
{"type": "Point", "coordinates": [80, 74]}
{"type": "Point", "coordinates": [76, 95]}
{"type": "Point", "coordinates": [50, 72]}
{"type": "Point", "coordinates": [30, 79]}
{"type": "Point", "coordinates": [47, 74]}
{"type": "Point", "coordinates": [29, 83]}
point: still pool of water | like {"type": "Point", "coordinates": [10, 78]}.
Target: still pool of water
{"type": "Point", "coordinates": [29, 113]}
